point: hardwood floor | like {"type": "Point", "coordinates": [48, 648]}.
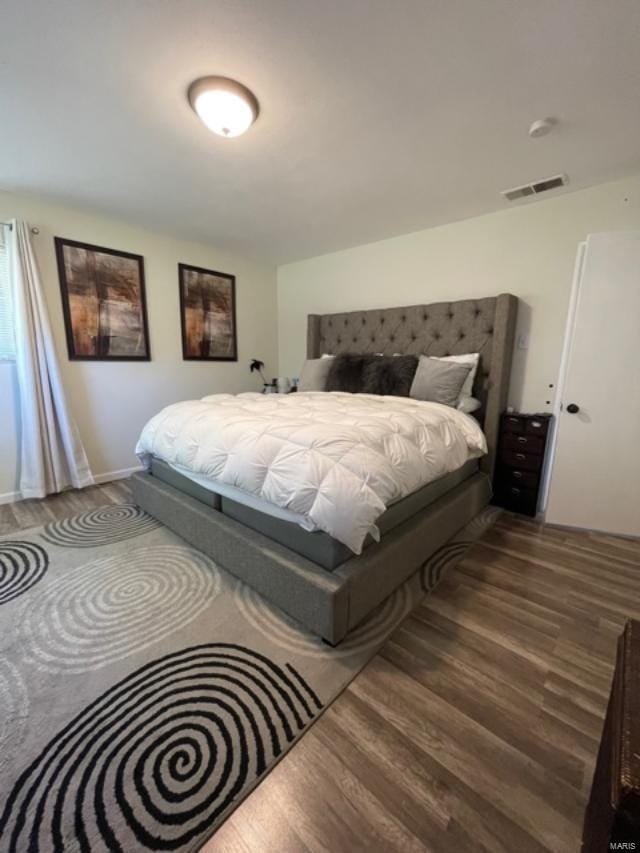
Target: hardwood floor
{"type": "Point", "coordinates": [24, 514]}
{"type": "Point", "coordinates": [476, 726]}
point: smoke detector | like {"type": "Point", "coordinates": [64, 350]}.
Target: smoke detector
{"type": "Point", "coordinates": [535, 188]}
{"type": "Point", "coordinates": [541, 127]}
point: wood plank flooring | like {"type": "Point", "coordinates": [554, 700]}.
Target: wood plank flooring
{"type": "Point", "coordinates": [476, 726]}
{"type": "Point", "coordinates": [32, 513]}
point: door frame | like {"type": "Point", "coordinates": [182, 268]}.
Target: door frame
{"type": "Point", "coordinates": [572, 313]}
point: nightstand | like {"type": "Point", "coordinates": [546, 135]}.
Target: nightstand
{"type": "Point", "coordinates": [522, 444]}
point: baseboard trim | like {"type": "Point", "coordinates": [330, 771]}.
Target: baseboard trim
{"type": "Point", "coordinates": [107, 477]}
{"type": "Point", "coordinates": [116, 475]}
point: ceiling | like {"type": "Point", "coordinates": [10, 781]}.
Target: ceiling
{"type": "Point", "coordinates": [377, 118]}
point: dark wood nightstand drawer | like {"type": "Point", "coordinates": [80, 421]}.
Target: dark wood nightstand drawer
{"type": "Point", "coordinates": [513, 423]}
{"type": "Point", "coordinates": [531, 443]}
{"type": "Point", "coordinates": [521, 459]}
{"type": "Point", "coordinates": [537, 426]}
{"type": "Point", "coordinates": [506, 477]}
{"type": "Point", "coordinates": [518, 499]}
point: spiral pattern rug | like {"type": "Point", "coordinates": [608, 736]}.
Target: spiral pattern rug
{"type": "Point", "coordinates": [144, 691]}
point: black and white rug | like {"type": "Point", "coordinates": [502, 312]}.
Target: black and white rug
{"type": "Point", "coordinates": [144, 691]}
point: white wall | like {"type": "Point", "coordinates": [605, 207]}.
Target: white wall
{"type": "Point", "coordinates": [112, 401]}
{"type": "Point", "coordinates": [528, 250]}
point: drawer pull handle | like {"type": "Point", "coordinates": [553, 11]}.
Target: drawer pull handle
{"type": "Point", "coordinates": [513, 420]}
{"type": "Point", "coordinates": [515, 491]}
{"type": "Point", "coordinates": [517, 474]}
{"type": "Point", "coordinates": [520, 456]}
{"type": "Point", "coordinates": [536, 424]}
{"type": "Point", "coordinates": [522, 439]}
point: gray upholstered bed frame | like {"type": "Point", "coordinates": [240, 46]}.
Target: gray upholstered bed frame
{"type": "Point", "coordinates": [485, 325]}
{"type": "Point", "coordinates": [330, 603]}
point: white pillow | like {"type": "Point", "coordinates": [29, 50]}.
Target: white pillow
{"type": "Point", "coordinates": [314, 373]}
{"type": "Point", "coordinates": [472, 359]}
{"type": "Point", "coordinates": [468, 405]}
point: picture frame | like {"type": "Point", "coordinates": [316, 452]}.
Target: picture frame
{"type": "Point", "coordinates": [207, 314]}
{"type": "Point", "coordinates": [103, 302]}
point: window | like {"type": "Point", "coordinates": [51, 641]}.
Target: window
{"type": "Point", "coordinates": [7, 339]}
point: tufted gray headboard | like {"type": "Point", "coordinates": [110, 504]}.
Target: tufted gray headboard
{"type": "Point", "coordinates": [484, 325]}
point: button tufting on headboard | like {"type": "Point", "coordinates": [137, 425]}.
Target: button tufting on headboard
{"type": "Point", "coordinates": [474, 325]}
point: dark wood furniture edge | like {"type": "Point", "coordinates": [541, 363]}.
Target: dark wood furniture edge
{"type": "Point", "coordinates": [613, 811]}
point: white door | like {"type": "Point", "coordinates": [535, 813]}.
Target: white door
{"type": "Point", "coordinates": [595, 478]}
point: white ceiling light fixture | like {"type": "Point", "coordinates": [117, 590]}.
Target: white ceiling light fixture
{"type": "Point", "coordinates": [225, 106]}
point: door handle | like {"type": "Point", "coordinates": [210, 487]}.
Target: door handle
{"type": "Point", "coordinates": [573, 408]}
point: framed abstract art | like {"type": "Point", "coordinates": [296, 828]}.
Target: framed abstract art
{"type": "Point", "coordinates": [103, 302]}
{"type": "Point", "coordinates": [207, 314]}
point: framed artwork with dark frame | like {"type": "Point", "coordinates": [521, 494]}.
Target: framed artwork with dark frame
{"type": "Point", "coordinates": [207, 314]}
{"type": "Point", "coordinates": [103, 302]}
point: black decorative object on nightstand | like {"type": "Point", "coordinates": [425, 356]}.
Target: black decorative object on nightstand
{"type": "Point", "coordinates": [521, 448]}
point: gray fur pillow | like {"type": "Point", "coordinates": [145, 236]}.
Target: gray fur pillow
{"type": "Point", "coordinates": [345, 373]}
{"type": "Point", "coordinates": [389, 375]}
{"type": "Point", "coordinates": [372, 374]}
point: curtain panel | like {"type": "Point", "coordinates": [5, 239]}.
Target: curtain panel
{"type": "Point", "coordinates": [51, 454]}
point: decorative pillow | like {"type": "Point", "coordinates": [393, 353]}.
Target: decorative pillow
{"type": "Point", "coordinates": [389, 375]}
{"type": "Point", "coordinates": [468, 405]}
{"type": "Point", "coordinates": [473, 360]}
{"type": "Point", "coordinates": [372, 374]}
{"type": "Point", "coordinates": [327, 355]}
{"type": "Point", "coordinates": [314, 373]}
{"type": "Point", "coordinates": [438, 381]}
{"type": "Point", "coordinates": [345, 372]}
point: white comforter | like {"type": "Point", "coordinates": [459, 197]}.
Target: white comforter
{"type": "Point", "coordinates": [336, 459]}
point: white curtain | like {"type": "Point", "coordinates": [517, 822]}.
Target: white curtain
{"type": "Point", "coordinates": [51, 454]}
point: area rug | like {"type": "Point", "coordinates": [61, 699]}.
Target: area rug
{"type": "Point", "coordinates": [144, 691]}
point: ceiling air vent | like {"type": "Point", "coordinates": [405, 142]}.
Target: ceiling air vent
{"type": "Point", "coordinates": [535, 188]}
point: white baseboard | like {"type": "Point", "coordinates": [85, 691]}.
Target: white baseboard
{"type": "Point", "coordinates": [107, 477]}
{"type": "Point", "coordinates": [116, 475]}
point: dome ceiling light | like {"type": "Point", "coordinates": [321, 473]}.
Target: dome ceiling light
{"type": "Point", "coordinates": [225, 106]}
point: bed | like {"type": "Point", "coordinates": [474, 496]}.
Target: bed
{"type": "Point", "coordinates": [314, 576]}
